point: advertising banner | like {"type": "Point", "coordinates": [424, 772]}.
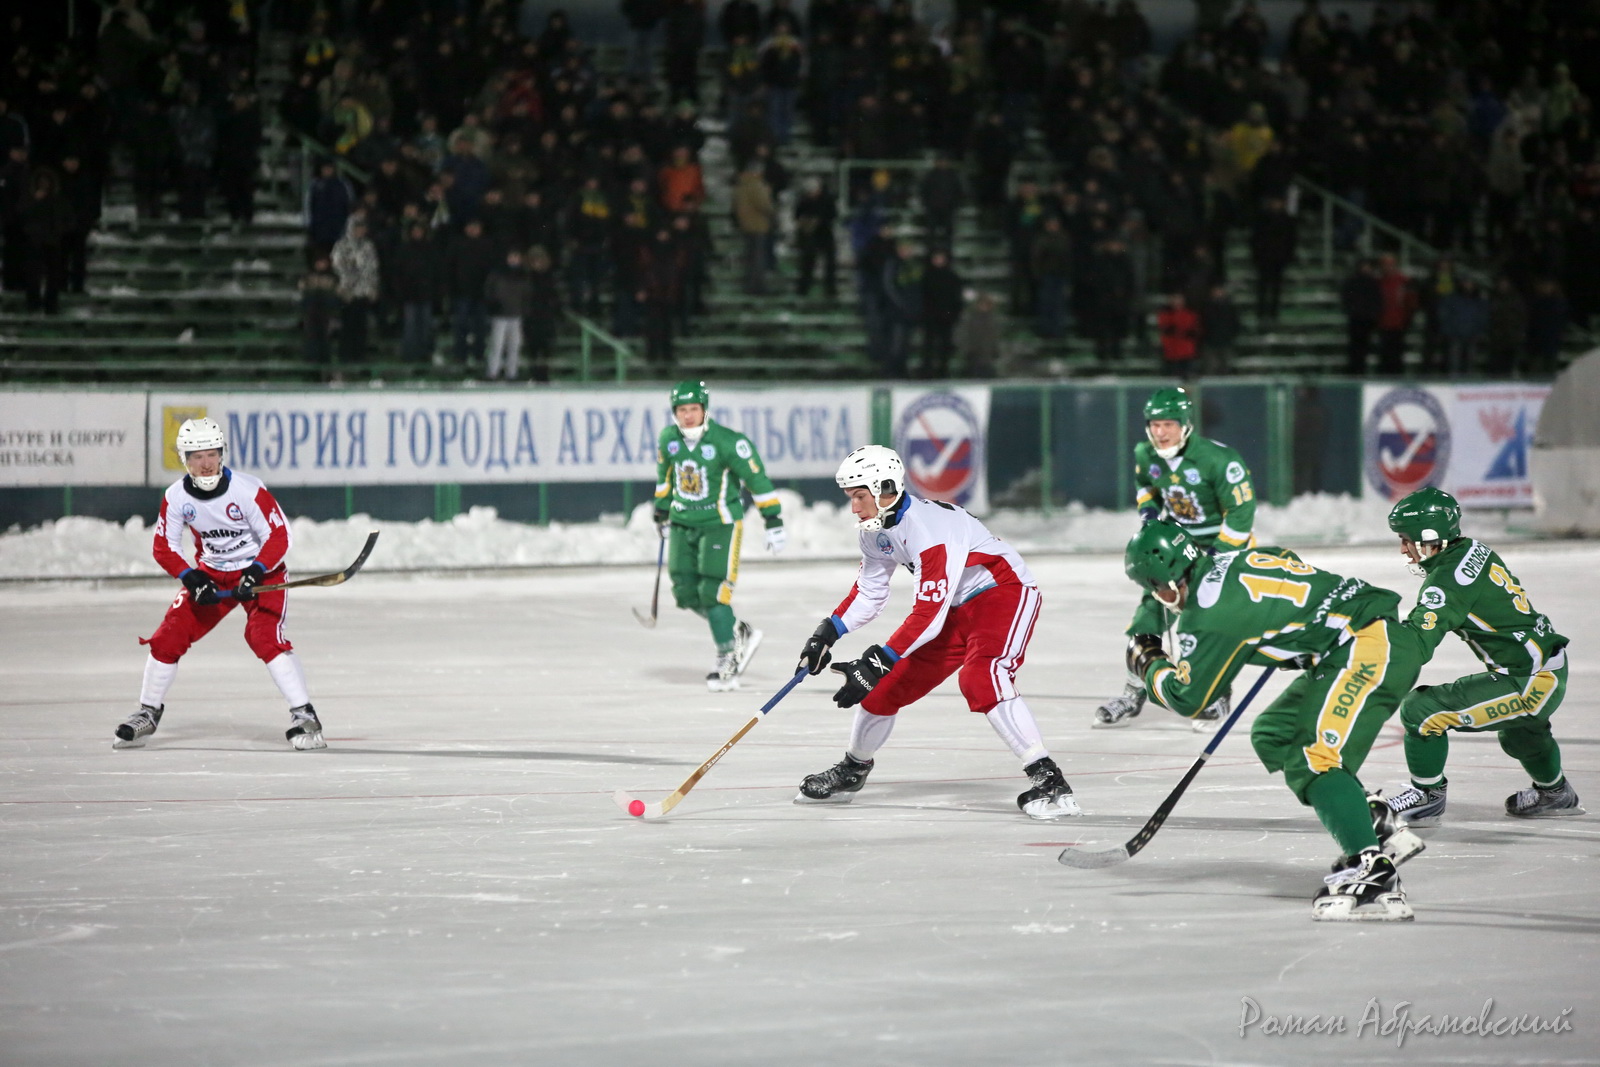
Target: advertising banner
{"type": "Point", "coordinates": [1471, 441]}
{"type": "Point", "coordinates": [395, 438]}
{"type": "Point", "coordinates": [58, 438]}
{"type": "Point", "coordinates": [943, 437]}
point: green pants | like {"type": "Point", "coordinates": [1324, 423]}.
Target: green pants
{"type": "Point", "coordinates": [703, 562]}
{"type": "Point", "coordinates": [1517, 710]}
{"type": "Point", "coordinates": [1319, 731]}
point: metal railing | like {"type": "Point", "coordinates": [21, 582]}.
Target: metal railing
{"type": "Point", "coordinates": [589, 334]}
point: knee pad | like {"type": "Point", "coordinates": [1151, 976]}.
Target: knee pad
{"type": "Point", "coordinates": [1528, 740]}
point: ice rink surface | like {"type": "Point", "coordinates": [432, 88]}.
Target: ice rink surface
{"type": "Point", "coordinates": [450, 882]}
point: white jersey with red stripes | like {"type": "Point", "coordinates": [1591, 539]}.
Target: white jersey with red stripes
{"type": "Point", "coordinates": [231, 527]}
{"type": "Point", "coordinates": [952, 558]}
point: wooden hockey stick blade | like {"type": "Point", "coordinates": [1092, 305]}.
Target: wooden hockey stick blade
{"type": "Point", "coordinates": [626, 801]}
{"type": "Point", "coordinates": [322, 579]}
{"type": "Point", "coordinates": [1093, 859]}
{"type": "Point", "coordinates": [647, 621]}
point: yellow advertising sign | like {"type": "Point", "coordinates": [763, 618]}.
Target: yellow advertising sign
{"type": "Point", "coordinates": [171, 419]}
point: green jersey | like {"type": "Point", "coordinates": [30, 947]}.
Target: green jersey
{"type": "Point", "coordinates": [1261, 605]}
{"type": "Point", "coordinates": [1469, 591]}
{"type": "Point", "coordinates": [1205, 489]}
{"type": "Point", "coordinates": [702, 481]}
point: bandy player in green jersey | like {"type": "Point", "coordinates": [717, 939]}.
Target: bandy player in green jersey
{"type": "Point", "coordinates": [1200, 485]}
{"type": "Point", "coordinates": [1266, 606]}
{"type": "Point", "coordinates": [1469, 591]}
{"type": "Point", "coordinates": [701, 468]}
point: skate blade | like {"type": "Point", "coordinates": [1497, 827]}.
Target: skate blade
{"type": "Point", "coordinates": [837, 798]}
{"type": "Point", "coordinates": [1424, 823]}
{"type": "Point", "coordinates": [1562, 813]}
{"type": "Point", "coordinates": [1116, 724]}
{"type": "Point", "coordinates": [1063, 808]}
{"type": "Point", "coordinates": [1204, 726]}
{"type": "Point", "coordinates": [135, 742]}
{"type": "Point", "coordinates": [1389, 908]}
{"type": "Point", "coordinates": [723, 687]}
{"type": "Point", "coordinates": [305, 742]}
{"type": "Point", "coordinates": [750, 649]}
{"type": "Point", "coordinates": [1402, 845]}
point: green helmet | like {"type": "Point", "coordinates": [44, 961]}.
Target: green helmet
{"type": "Point", "coordinates": [1160, 555]}
{"type": "Point", "coordinates": [691, 392]}
{"type": "Point", "coordinates": [1427, 515]}
{"type": "Point", "coordinates": [1170, 403]}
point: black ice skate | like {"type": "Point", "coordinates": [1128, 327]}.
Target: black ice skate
{"type": "Point", "coordinates": [836, 785]}
{"type": "Point", "coordinates": [1419, 807]}
{"type": "Point", "coordinates": [1556, 802]}
{"type": "Point", "coordinates": [306, 731]}
{"type": "Point", "coordinates": [1396, 841]}
{"type": "Point", "coordinates": [724, 676]}
{"type": "Point", "coordinates": [1120, 710]}
{"type": "Point", "coordinates": [1362, 888]}
{"type": "Point", "coordinates": [140, 725]}
{"type": "Point", "coordinates": [746, 639]}
{"type": "Point", "coordinates": [1050, 797]}
{"type": "Point", "coordinates": [1208, 718]}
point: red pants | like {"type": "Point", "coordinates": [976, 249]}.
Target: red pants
{"type": "Point", "coordinates": [985, 639]}
{"type": "Point", "coordinates": [187, 622]}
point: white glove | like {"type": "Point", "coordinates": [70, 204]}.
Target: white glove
{"type": "Point", "coordinates": [777, 539]}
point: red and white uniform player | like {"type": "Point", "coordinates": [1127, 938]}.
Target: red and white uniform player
{"type": "Point", "coordinates": [974, 608]}
{"type": "Point", "coordinates": [239, 537]}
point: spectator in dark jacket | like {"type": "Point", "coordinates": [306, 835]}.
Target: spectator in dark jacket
{"type": "Point", "coordinates": [1547, 324]}
{"type": "Point", "coordinates": [1051, 267]}
{"type": "Point", "coordinates": [329, 207]}
{"type": "Point", "coordinates": [47, 222]}
{"type": "Point", "coordinates": [151, 147]}
{"type": "Point", "coordinates": [319, 302]}
{"type": "Point", "coordinates": [1463, 324]}
{"type": "Point", "coordinates": [507, 296]}
{"type": "Point", "coordinates": [814, 217]}
{"type": "Point", "coordinates": [1219, 330]}
{"type": "Point", "coordinates": [355, 261]}
{"type": "Point", "coordinates": [1508, 328]}
{"type": "Point", "coordinates": [662, 263]}
{"type": "Point", "coordinates": [1399, 306]}
{"type": "Point", "coordinates": [941, 310]}
{"type": "Point", "coordinates": [544, 312]}
{"type": "Point", "coordinates": [82, 191]}
{"type": "Point", "coordinates": [1272, 247]}
{"type": "Point", "coordinates": [1361, 298]}
{"type": "Point", "coordinates": [194, 127]}
{"type": "Point", "coordinates": [413, 281]}
{"type": "Point", "coordinates": [470, 258]}
{"type": "Point", "coordinates": [239, 156]}
{"type": "Point", "coordinates": [942, 195]}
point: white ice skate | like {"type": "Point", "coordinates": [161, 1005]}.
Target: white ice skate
{"type": "Point", "coordinates": [724, 676]}
{"type": "Point", "coordinates": [305, 732]}
{"type": "Point", "coordinates": [746, 639]}
{"type": "Point", "coordinates": [1363, 888]}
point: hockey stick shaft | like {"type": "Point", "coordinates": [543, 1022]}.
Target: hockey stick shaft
{"type": "Point", "coordinates": [1073, 857]}
{"type": "Point", "coordinates": [655, 597]}
{"type": "Point", "coordinates": [651, 811]}
{"type": "Point", "coordinates": [335, 578]}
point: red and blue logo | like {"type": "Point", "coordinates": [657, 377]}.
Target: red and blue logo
{"type": "Point", "coordinates": [941, 441]}
{"type": "Point", "coordinates": [1407, 441]}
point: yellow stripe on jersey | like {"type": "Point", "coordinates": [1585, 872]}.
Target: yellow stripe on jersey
{"type": "Point", "coordinates": [1529, 702]}
{"type": "Point", "coordinates": [764, 500]}
{"type": "Point", "coordinates": [725, 590]}
{"type": "Point", "coordinates": [1235, 538]}
{"type": "Point", "coordinates": [1348, 696]}
{"type": "Point", "coordinates": [663, 490]}
{"type": "Point", "coordinates": [1145, 496]}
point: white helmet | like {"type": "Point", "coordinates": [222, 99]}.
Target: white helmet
{"type": "Point", "coordinates": [197, 435]}
{"type": "Point", "coordinates": [881, 471]}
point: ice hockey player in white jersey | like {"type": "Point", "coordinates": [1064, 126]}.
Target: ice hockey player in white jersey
{"type": "Point", "coordinates": [239, 537]}
{"type": "Point", "coordinates": [974, 608]}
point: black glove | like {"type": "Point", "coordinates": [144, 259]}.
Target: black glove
{"type": "Point", "coordinates": [246, 589]}
{"type": "Point", "coordinates": [860, 675]}
{"type": "Point", "coordinates": [1150, 514]}
{"type": "Point", "coordinates": [202, 590]}
{"type": "Point", "coordinates": [660, 516]}
{"type": "Point", "coordinates": [815, 655]}
{"type": "Point", "coordinates": [1143, 650]}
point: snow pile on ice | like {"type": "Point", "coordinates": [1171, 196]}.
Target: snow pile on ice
{"type": "Point", "coordinates": [84, 547]}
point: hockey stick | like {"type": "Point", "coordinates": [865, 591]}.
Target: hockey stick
{"type": "Point", "coordinates": [655, 598]}
{"type": "Point", "coordinates": [638, 808]}
{"type": "Point", "coordinates": [322, 579]}
{"type": "Point", "coordinates": [1093, 859]}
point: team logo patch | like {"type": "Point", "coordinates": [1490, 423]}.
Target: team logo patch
{"type": "Point", "coordinates": [1432, 598]}
{"type": "Point", "coordinates": [1192, 476]}
{"type": "Point", "coordinates": [1234, 473]}
{"type": "Point", "coordinates": [885, 545]}
{"type": "Point", "coordinates": [1407, 443]}
{"type": "Point", "coordinates": [1330, 738]}
{"type": "Point", "coordinates": [235, 512]}
{"type": "Point", "coordinates": [1466, 720]}
{"type": "Point", "coordinates": [1187, 643]}
{"type": "Point", "coordinates": [1155, 472]}
{"type": "Point", "coordinates": [708, 451]}
{"type": "Point", "coordinates": [672, 448]}
{"type": "Point", "coordinates": [188, 513]}
{"type": "Point", "coordinates": [942, 442]}
{"type": "Point", "coordinates": [743, 450]}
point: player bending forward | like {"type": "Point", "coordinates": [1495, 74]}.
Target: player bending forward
{"type": "Point", "coordinates": [700, 466]}
{"type": "Point", "coordinates": [1469, 591]}
{"type": "Point", "coordinates": [240, 539]}
{"type": "Point", "coordinates": [1265, 606]}
{"type": "Point", "coordinates": [976, 605]}
{"type": "Point", "coordinates": [1200, 485]}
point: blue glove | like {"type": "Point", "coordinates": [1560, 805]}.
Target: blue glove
{"type": "Point", "coordinates": [246, 589]}
{"type": "Point", "coordinates": [202, 590]}
{"type": "Point", "coordinates": [1150, 514]}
